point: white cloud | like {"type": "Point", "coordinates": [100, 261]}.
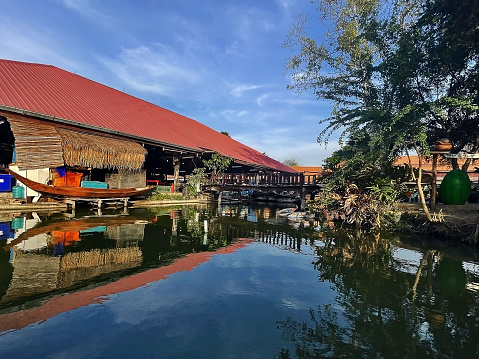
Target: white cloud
{"type": "Point", "coordinates": [239, 90]}
{"type": "Point", "coordinates": [260, 99]}
{"type": "Point", "coordinates": [243, 113]}
{"type": "Point", "coordinates": [158, 70]}
{"type": "Point", "coordinates": [286, 5]}
{"type": "Point", "coordinates": [86, 9]}
{"type": "Point", "coordinates": [19, 42]}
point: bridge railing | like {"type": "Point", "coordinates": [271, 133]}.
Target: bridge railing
{"type": "Point", "coordinates": [274, 179]}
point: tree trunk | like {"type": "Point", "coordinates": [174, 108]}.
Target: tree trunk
{"type": "Point", "coordinates": [423, 200]}
{"type": "Point", "coordinates": [418, 183]}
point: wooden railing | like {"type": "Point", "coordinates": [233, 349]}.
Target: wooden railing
{"type": "Point", "coordinates": [276, 179]}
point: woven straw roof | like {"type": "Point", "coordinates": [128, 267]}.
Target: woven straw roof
{"type": "Point", "coordinates": [87, 150]}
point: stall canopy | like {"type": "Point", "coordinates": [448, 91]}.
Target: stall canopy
{"type": "Point", "coordinates": [87, 150]}
{"type": "Point", "coordinates": [42, 145]}
{"type": "Point", "coordinates": [37, 144]}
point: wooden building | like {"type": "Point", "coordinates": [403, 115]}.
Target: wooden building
{"type": "Point", "coordinates": [51, 119]}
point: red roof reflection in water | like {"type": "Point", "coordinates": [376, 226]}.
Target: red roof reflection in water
{"type": "Point", "coordinates": [67, 302]}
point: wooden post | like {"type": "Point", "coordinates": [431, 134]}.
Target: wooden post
{"type": "Point", "coordinates": [176, 172]}
{"type": "Point", "coordinates": [302, 192]}
{"type": "Point", "coordinates": [434, 184]}
{"type": "Point", "coordinates": [434, 176]}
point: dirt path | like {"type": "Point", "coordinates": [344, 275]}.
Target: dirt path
{"type": "Point", "coordinates": [458, 222]}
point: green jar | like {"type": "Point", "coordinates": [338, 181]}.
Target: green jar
{"type": "Point", "coordinates": [455, 187]}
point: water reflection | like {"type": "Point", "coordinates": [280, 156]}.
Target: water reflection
{"type": "Point", "coordinates": [392, 301]}
{"type": "Point", "coordinates": [50, 254]}
{"type": "Point", "coordinates": [318, 292]}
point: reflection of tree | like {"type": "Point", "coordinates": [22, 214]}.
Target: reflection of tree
{"type": "Point", "coordinates": [382, 311]}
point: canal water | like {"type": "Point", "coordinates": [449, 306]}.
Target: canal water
{"type": "Point", "coordinates": [229, 282]}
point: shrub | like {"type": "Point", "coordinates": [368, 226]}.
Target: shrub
{"type": "Point", "coordinates": [165, 196]}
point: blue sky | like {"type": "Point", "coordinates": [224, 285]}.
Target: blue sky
{"type": "Point", "coordinates": [219, 62]}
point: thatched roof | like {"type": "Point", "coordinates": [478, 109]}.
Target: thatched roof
{"type": "Point", "coordinates": [87, 150]}
{"type": "Point", "coordinates": [37, 143]}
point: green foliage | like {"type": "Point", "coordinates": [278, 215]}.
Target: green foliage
{"type": "Point", "coordinates": [165, 196]}
{"type": "Point", "coordinates": [217, 164]}
{"type": "Point", "coordinates": [195, 180]}
{"type": "Point", "coordinates": [388, 191]}
{"type": "Point", "coordinates": [370, 207]}
{"type": "Point", "coordinates": [354, 206]}
{"type": "Point", "coordinates": [400, 74]}
{"type": "Point", "coordinates": [363, 169]}
{"type": "Point", "coordinates": [338, 157]}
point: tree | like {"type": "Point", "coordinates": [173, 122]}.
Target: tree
{"type": "Point", "coordinates": [225, 133]}
{"type": "Point", "coordinates": [291, 162]}
{"type": "Point", "coordinates": [440, 54]}
{"type": "Point", "coordinates": [217, 164]}
{"type": "Point", "coordinates": [195, 180]}
{"type": "Point", "coordinates": [384, 66]}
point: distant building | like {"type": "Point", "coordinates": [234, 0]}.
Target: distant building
{"type": "Point", "coordinates": [309, 170]}
{"type": "Point", "coordinates": [443, 167]}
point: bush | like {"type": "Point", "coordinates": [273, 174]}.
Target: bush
{"type": "Point", "coordinates": [362, 208]}
{"type": "Point", "coordinates": [166, 196]}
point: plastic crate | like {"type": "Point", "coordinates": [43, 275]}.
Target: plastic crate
{"type": "Point", "coordinates": [5, 183]}
{"type": "Point", "coordinates": [4, 230]}
{"type": "Point", "coordinates": [72, 179]}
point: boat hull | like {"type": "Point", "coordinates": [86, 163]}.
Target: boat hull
{"type": "Point", "coordinates": [78, 192]}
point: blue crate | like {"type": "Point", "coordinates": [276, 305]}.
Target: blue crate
{"type": "Point", "coordinates": [5, 183]}
{"type": "Point", "coordinates": [4, 230]}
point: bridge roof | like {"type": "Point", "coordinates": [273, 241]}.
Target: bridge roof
{"type": "Point", "coordinates": [46, 91]}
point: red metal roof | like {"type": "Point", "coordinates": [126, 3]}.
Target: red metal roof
{"type": "Point", "coordinates": [51, 91]}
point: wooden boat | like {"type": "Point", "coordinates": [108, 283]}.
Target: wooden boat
{"type": "Point", "coordinates": [77, 225]}
{"type": "Point", "coordinates": [79, 192]}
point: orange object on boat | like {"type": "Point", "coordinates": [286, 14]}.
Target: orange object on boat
{"type": "Point", "coordinates": [67, 238]}
{"type": "Point", "coordinates": [70, 179]}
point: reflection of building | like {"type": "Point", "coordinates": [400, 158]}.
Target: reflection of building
{"type": "Point", "coordinates": [35, 274]}
{"type": "Point", "coordinates": [67, 302]}
{"type": "Point", "coordinates": [266, 213]}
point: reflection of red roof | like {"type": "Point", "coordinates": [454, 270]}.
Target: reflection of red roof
{"type": "Point", "coordinates": [67, 302]}
{"type": "Point", "coordinates": [52, 93]}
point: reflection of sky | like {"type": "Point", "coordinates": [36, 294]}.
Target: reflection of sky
{"type": "Point", "coordinates": [409, 260]}
{"type": "Point", "coordinates": [225, 308]}
{"type": "Point", "coordinates": [470, 267]}
{"type": "Point", "coordinates": [251, 215]}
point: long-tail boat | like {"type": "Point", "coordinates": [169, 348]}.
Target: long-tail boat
{"type": "Point", "coordinates": [77, 225]}
{"type": "Point", "coordinates": [79, 192]}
